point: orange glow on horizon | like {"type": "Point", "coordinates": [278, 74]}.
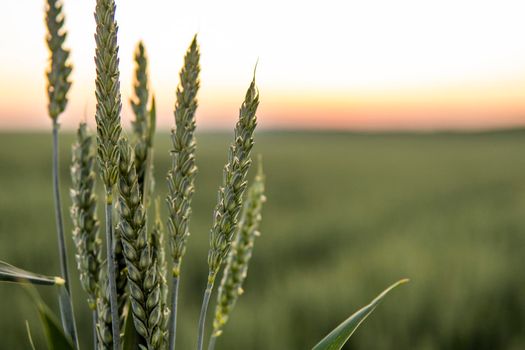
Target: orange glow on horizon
{"type": "Point", "coordinates": [498, 104]}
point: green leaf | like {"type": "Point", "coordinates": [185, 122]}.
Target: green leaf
{"type": "Point", "coordinates": [10, 273]}
{"type": "Point", "coordinates": [66, 312]}
{"type": "Point", "coordinates": [340, 335]}
{"type": "Point", "coordinates": [55, 336]}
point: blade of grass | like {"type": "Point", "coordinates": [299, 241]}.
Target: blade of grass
{"type": "Point", "coordinates": [56, 337]}
{"type": "Point", "coordinates": [10, 273]}
{"type": "Point", "coordinates": [337, 338]}
{"type": "Point", "coordinates": [29, 336]}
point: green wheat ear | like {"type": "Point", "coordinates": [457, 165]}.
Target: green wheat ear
{"type": "Point", "coordinates": [107, 91]}
{"type": "Point", "coordinates": [83, 214]}
{"type": "Point", "coordinates": [181, 176]}
{"type": "Point", "coordinates": [107, 115]}
{"type": "Point", "coordinates": [230, 196]}
{"type": "Point", "coordinates": [157, 245]}
{"type": "Point", "coordinates": [104, 324]}
{"type": "Point", "coordinates": [236, 268]}
{"type": "Point", "coordinates": [141, 260]}
{"type": "Point", "coordinates": [234, 183]}
{"type": "Point", "coordinates": [58, 82]}
{"type": "Point", "coordinates": [139, 105]}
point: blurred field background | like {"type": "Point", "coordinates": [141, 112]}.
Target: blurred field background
{"type": "Point", "coordinates": [347, 214]}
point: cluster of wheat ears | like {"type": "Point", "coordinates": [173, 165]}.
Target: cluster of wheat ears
{"type": "Point", "coordinates": [128, 288]}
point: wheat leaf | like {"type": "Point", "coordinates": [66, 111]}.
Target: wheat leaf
{"type": "Point", "coordinates": [340, 335]}
{"type": "Point", "coordinates": [10, 273]}
{"type": "Point", "coordinates": [29, 336]}
{"type": "Point", "coordinates": [55, 336]}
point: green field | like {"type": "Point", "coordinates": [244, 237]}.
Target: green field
{"type": "Point", "coordinates": [347, 214]}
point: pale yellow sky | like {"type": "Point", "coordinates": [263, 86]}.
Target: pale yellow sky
{"type": "Point", "coordinates": [330, 64]}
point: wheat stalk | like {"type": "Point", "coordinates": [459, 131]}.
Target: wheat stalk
{"type": "Point", "coordinates": [58, 85]}
{"type": "Point", "coordinates": [107, 91]}
{"type": "Point", "coordinates": [236, 268]}
{"type": "Point", "coordinates": [142, 270]}
{"type": "Point", "coordinates": [181, 176]}
{"type": "Point", "coordinates": [230, 196]}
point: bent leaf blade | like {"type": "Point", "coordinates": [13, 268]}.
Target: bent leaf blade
{"type": "Point", "coordinates": [340, 335]}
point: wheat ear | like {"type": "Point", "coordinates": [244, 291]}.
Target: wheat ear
{"type": "Point", "coordinates": [181, 176]}
{"type": "Point", "coordinates": [109, 104]}
{"type": "Point", "coordinates": [58, 85]}
{"type": "Point", "coordinates": [236, 268]}
{"type": "Point", "coordinates": [142, 270]}
{"type": "Point", "coordinates": [157, 244]}
{"type": "Point", "coordinates": [139, 105]}
{"type": "Point", "coordinates": [83, 215]}
{"type": "Point", "coordinates": [104, 324]}
{"type": "Point", "coordinates": [230, 196]}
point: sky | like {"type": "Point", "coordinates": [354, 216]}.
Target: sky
{"type": "Point", "coordinates": [354, 64]}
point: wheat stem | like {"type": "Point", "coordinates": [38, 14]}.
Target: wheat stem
{"type": "Point", "coordinates": [58, 85]}
{"type": "Point", "coordinates": [95, 336]}
{"type": "Point", "coordinates": [58, 209]}
{"type": "Point", "coordinates": [70, 328]}
{"type": "Point", "coordinates": [173, 315]}
{"type": "Point", "coordinates": [213, 340]}
{"type": "Point", "coordinates": [204, 311]}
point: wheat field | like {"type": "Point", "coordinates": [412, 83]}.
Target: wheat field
{"type": "Point", "coordinates": [346, 215]}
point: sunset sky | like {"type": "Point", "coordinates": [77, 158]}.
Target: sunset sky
{"type": "Point", "coordinates": [375, 64]}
